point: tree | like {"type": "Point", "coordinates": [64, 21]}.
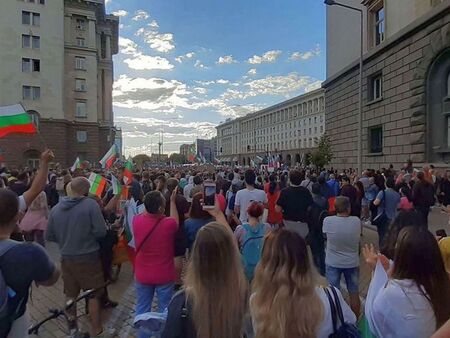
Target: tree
{"type": "Point", "coordinates": [140, 160]}
{"type": "Point", "coordinates": [176, 158]}
{"type": "Point", "coordinates": [323, 155]}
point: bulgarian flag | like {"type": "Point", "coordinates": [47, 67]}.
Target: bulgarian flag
{"type": "Point", "coordinates": [98, 184]}
{"type": "Point", "coordinates": [14, 119]}
{"type": "Point", "coordinates": [76, 165]}
{"type": "Point", "coordinates": [117, 187]}
{"type": "Point", "coordinates": [110, 157]}
{"type": "Point", "coordinates": [128, 172]}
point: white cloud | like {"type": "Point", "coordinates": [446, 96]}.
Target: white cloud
{"type": "Point", "coordinates": [161, 42]}
{"type": "Point", "coordinates": [252, 71]}
{"type": "Point", "coordinates": [127, 46]}
{"type": "Point", "coordinates": [199, 64]}
{"type": "Point", "coordinates": [205, 83]}
{"type": "Point", "coordinates": [268, 57]}
{"type": "Point", "coordinates": [227, 59]}
{"type": "Point", "coordinates": [201, 90]}
{"type": "Point", "coordinates": [296, 56]}
{"type": "Point", "coordinates": [150, 93]}
{"type": "Point", "coordinates": [222, 81]}
{"type": "Point", "coordinates": [181, 58]}
{"type": "Point", "coordinates": [148, 62]}
{"type": "Point", "coordinates": [153, 24]}
{"type": "Point", "coordinates": [120, 13]}
{"type": "Point", "coordinates": [140, 15]}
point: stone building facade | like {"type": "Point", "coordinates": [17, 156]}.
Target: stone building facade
{"type": "Point", "coordinates": [289, 130]}
{"type": "Point", "coordinates": [57, 62]}
{"type": "Point", "coordinates": [406, 98]}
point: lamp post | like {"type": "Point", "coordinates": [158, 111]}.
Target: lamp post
{"type": "Point", "coordinates": [335, 3]}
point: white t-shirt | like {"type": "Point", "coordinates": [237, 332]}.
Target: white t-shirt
{"type": "Point", "coordinates": [245, 197]}
{"type": "Point", "coordinates": [343, 236]}
{"type": "Point", "coordinates": [22, 204]}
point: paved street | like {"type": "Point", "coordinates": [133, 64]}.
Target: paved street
{"type": "Point", "coordinates": [121, 318]}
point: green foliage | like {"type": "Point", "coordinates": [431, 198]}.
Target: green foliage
{"type": "Point", "coordinates": [140, 159]}
{"type": "Point", "coordinates": [176, 158]}
{"type": "Point", "coordinates": [323, 155]}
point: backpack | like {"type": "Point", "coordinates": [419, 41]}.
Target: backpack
{"type": "Point", "coordinates": [346, 330]}
{"type": "Point", "coordinates": [251, 248]}
{"type": "Point", "coordinates": [5, 292]}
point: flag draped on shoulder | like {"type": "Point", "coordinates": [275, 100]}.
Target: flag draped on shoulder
{"type": "Point", "coordinates": [128, 172]}
{"type": "Point", "coordinates": [98, 184]}
{"type": "Point", "coordinates": [116, 186]}
{"type": "Point", "coordinates": [110, 157]}
{"type": "Point", "coordinates": [76, 165]}
{"type": "Point", "coordinates": [14, 119]}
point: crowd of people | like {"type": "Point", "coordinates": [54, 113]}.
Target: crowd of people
{"type": "Point", "coordinates": [266, 260]}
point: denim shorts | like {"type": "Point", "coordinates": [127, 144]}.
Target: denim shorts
{"type": "Point", "coordinates": [351, 276]}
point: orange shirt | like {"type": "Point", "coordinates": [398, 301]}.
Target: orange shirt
{"type": "Point", "coordinates": [273, 217]}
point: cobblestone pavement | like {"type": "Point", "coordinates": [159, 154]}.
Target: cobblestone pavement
{"type": "Point", "coordinates": [121, 318]}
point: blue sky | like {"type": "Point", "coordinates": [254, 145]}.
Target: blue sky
{"type": "Point", "coordinates": [186, 65]}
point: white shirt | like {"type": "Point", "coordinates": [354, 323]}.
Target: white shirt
{"type": "Point", "coordinates": [397, 308]}
{"type": "Point", "coordinates": [245, 197]}
{"type": "Point", "coordinates": [22, 204]}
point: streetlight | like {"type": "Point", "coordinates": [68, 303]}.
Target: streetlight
{"type": "Point", "coordinates": [335, 3]}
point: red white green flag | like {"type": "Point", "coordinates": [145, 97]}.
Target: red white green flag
{"type": "Point", "coordinates": [14, 119]}
{"type": "Point", "coordinates": [98, 184]}
{"type": "Point", "coordinates": [76, 165]}
{"type": "Point", "coordinates": [110, 157]}
{"type": "Point", "coordinates": [116, 186]}
{"type": "Point", "coordinates": [128, 172]}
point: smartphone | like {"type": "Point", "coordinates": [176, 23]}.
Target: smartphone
{"type": "Point", "coordinates": [209, 194]}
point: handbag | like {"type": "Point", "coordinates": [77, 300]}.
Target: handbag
{"type": "Point", "coordinates": [382, 218]}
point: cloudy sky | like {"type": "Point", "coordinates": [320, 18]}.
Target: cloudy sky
{"type": "Point", "coordinates": [186, 65]}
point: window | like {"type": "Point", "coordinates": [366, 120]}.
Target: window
{"type": "Point", "coordinates": [31, 93]}
{"type": "Point", "coordinates": [375, 87]}
{"type": "Point", "coordinates": [379, 26]}
{"type": "Point", "coordinates": [31, 65]}
{"type": "Point", "coordinates": [26, 41]}
{"type": "Point", "coordinates": [42, 2]}
{"type": "Point", "coordinates": [36, 42]}
{"type": "Point", "coordinates": [81, 136]}
{"type": "Point", "coordinates": [30, 18]}
{"type": "Point", "coordinates": [26, 65]}
{"type": "Point", "coordinates": [80, 85]}
{"type": "Point", "coordinates": [80, 109]}
{"type": "Point", "coordinates": [81, 24]}
{"type": "Point", "coordinates": [81, 42]}
{"type": "Point", "coordinates": [376, 140]}
{"type": "Point", "coordinates": [80, 63]}
{"type": "Point", "coordinates": [34, 116]}
{"type": "Point", "coordinates": [29, 41]}
{"type": "Point", "coordinates": [376, 17]}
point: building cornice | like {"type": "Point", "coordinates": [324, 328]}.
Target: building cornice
{"type": "Point", "coordinates": [434, 14]}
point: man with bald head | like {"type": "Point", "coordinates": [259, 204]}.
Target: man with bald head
{"type": "Point", "coordinates": [76, 224]}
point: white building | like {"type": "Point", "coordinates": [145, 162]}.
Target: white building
{"type": "Point", "coordinates": [289, 129]}
{"type": "Point", "coordinates": [56, 59]}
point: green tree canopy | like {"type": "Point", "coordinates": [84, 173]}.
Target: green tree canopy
{"type": "Point", "coordinates": [323, 155]}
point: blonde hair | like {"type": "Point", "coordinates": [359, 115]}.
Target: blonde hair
{"type": "Point", "coordinates": [285, 303]}
{"type": "Point", "coordinates": [216, 284]}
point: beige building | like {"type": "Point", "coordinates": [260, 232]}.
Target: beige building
{"type": "Point", "coordinates": [289, 129]}
{"type": "Point", "coordinates": [57, 62]}
{"type": "Point", "coordinates": [405, 82]}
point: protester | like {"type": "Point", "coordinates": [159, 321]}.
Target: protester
{"type": "Point", "coordinates": [188, 188]}
{"type": "Point", "coordinates": [154, 236]}
{"type": "Point", "coordinates": [197, 219]}
{"type": "Point", "coordinates": [371, 194]}
{"type": "Point", "coordinates": [317, 213]}
{"type": "Point", "coordinates": [34, 223]}
{"type": "Point", "coordinates": [285, 285]}
{"type": "Point", "coordinates": [423, 197]}
{"type": "Point", "coordinates": [146, 183]}
{"type": "Point", "coordinates": [272, 189]}
{"type": "Point", "coordinates": [387, 202]}
{"type": "Point", "coordinates": [294, 202]}
{"type": "Point", "coordinates": [307, 182]}
{"type": "Point", "coordinates": [405, 199]}
{"type": "Point", "coordinates": [76, 224]}
{"type": "Point", "coordinates": [351, 193]}
{"type": "Point", "coordinates": [245, 196]}
{"type": "Point", "coordinates": [213, 303]}
{"type": "Point", "coordinates": [342, 250]}
{"type": "Point", "coordinates": [21, 183]}
{"type": "Point", "coordinates": [198, 185]}
{"type": "Point", "coordinates": [413, 301]}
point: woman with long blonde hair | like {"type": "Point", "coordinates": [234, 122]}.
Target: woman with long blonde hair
{"type": "Point", "coordinates": [288, 299]}
{"type": "Point", "coordinates": [214, 301]}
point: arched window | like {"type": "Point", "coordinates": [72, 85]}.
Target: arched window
{"type": "Point", "coordinates": [35, 117]}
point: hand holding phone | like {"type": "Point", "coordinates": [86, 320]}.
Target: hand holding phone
{"type": "Point", "coordinates": [209, 194]}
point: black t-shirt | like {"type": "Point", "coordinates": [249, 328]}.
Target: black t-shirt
{"type": "Point", "coordinates": [20, 266]}
{"type": "Point", "coordinates": [295, 202]}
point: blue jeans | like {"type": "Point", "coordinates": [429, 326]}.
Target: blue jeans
{"type": "Point", "coordinates": [351, 276]}
{"type": "Point", "coordinates": [144, 298]}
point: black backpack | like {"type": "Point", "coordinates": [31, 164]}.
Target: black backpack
{"type": "Point", "coordinates": [346, 330]}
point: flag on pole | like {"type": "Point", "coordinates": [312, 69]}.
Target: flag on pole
{"type": "Point", "coordinates": [98, 184]}
{"type": "Point", "coordinates": [76, 165]}
{"type": "Point", "coordinates": [117, 187]}
{"type": "Point", "coordinates": [110, 157]}
{"type": "Point", "coordinates": [14, 119]}
{"type": "Point", "coordinates": [128, 172]}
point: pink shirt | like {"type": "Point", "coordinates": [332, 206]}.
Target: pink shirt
{"type": "Point", "coordinates": [222, 202]}
{"type": "Point", "coordinates": [154, 263]}
{"type": "Point", "coordinates": [405, 204]}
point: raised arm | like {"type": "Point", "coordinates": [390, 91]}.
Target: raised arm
{"type": "Point", "coordinates": [173, 207]}
{"type": "Point", "coordinates": [40, 180]}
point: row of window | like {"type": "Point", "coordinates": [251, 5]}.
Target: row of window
{"type": "Point", "coordinates": [40, 2]}
{"type": "Point", "coordinates": [283, 145]}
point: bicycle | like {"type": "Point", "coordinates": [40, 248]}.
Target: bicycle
{"type": "Point", "coordinates": [56, 313]}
